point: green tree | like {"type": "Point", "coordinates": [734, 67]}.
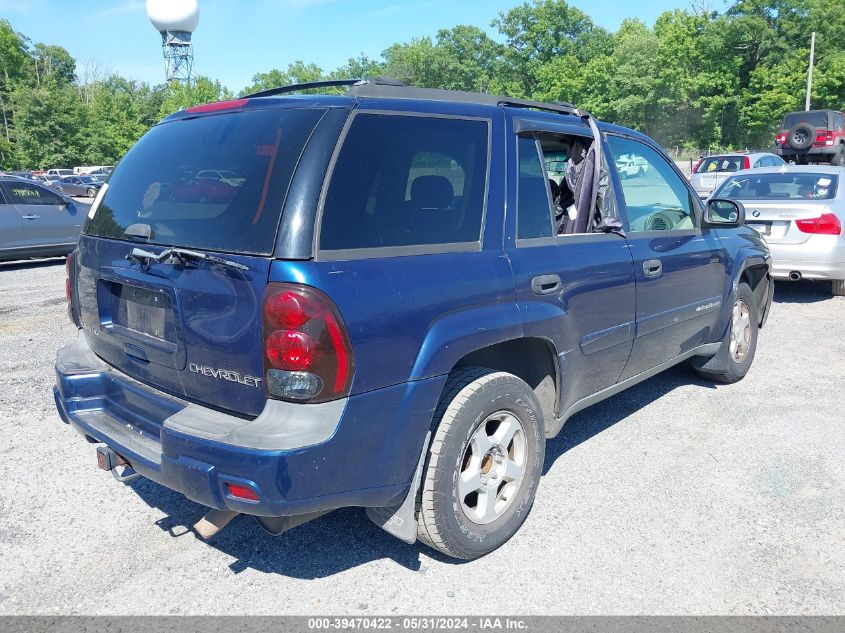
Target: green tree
{"type": "Point", "coordinates": [48, 125]}
{"type": "Point", "coordinates": [537, 33]}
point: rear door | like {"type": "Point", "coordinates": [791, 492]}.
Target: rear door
{"type": "Point", "coordinates": [192, 328]}
{"type": "Point", "coordinates": [576, 290]}
{"type": "Point", "coordinates": [679, 267]}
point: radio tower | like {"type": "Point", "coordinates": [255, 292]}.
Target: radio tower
{"type": "Point", "coordinates": [176, 20]}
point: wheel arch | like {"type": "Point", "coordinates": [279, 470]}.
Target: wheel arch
{"type": "Point", "coordinates": [531, 359]}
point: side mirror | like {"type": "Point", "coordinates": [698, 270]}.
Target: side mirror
{"type": "Point", "coordinates": [724, 213]}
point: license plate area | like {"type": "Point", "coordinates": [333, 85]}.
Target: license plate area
{"type": "Point", "coordinates": [140, 324]}
{"type": "Point", "coordinates": [144, 311]}
{"type": "Point", "coordinates": [763, 228]}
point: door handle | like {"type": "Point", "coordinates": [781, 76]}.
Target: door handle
{"type": "Point", "coordinates": [545, 284]}
{"type": "Point", "coordinates": [652, 267]}
{"type": "Point", "coordinates": [31, 217]}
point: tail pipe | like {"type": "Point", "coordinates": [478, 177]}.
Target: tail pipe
{"type": "Point", "coordinates": [795, 276]}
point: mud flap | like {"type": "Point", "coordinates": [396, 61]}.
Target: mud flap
{"type": "Point", "coordinates": [401, 520]}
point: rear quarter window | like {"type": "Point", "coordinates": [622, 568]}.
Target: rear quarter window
{"type": "Point", "coordinates": [408, 182]}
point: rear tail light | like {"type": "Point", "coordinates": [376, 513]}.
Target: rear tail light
{"type": "Point", "coordinates": [827, 224]}
{"type": "Point", "coordinates": [823, 137]}
{"type": "Point", "coordinates": [307, 355]}
{"type": "Point", "coordinates": [780, 139]}
{"type": "Point", "coordinates": [746, 163]}
{"type": "Point", "coordinates": [68, 293]}
{"type": "Point", "coordinates": [69, 287]}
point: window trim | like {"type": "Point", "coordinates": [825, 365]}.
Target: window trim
{"type": "Point", "coordinates": [523, 242]}
{"type": "Point", "coordinates": [398, 251]}
{"type": "Point", "coordinates": [697, 204]}
{"type": "Point", "coordinates": [4, 194]}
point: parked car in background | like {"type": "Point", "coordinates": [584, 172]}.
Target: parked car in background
{"type": "Point", "coordinates": [631, 166]}
{"type": "Point", "coordinates": [800, 210]}
{"type": "Point", "coordinates": [391, 312]}
{"type": "Point", "coordinates": [90, 169]}
{"type": "Point", "coordinates": [202, 190]}
{"type": "Point", "coordinates": [36, 221]}
{"type": "Point", "coordinates": [25, 175]}
{"type": "Point", "coordinates": [59, 173]}
{"type": "Point", "coordinates": [81, 186]}
{"type": "Point", "coordinates": [221, 175]}
{"type": "Point", "coordinates": [814, 136]}
{"type": "Point", "coordinates": [712, 171]}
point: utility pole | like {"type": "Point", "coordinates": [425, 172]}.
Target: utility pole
{"type": "Point", "coordinates": [810, 71]}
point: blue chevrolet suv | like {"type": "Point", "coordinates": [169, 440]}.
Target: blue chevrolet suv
{"type": "Point", "coordinates": [289, 304]}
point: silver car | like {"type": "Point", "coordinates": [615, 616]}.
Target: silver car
{"type": "Point", "coordinates": [800, 210]}
{"type": "Point", "coordinates": [81, 186]}
{"type": "Point", "coordinates": [36, 221]}
{"type": "Point", "coordinates": [712, 171]}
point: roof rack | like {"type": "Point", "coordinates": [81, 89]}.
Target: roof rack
{"type": "Point", "coordinates": [387, 87]}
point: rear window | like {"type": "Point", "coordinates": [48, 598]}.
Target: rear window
{"type": "Point", "coordinates": [720, 163]}
{"type": "Point", "coordinates": [406, 181]}
{"type": "Point", "coordinates": [785, 186]}
{"type": "Point", "coordinates": [215, 182]}
{"type": "Point", "coordinates": [814, 119]}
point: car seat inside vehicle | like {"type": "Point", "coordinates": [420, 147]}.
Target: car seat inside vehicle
{"type": "Point", "coordinates": [572, 198]}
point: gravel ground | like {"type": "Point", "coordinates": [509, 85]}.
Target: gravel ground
{"type": "Point", "coordinates": [676, 497]}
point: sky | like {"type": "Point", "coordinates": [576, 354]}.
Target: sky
{"type": "Point", "coordinates": [238, 38]}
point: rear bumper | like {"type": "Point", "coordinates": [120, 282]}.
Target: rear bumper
{"type": "Point", "coordinates": [821, 257]}
{"type": "Point", "coordinates": [361, 451]}
{"type": "Point", "coordinates": [826, 153]}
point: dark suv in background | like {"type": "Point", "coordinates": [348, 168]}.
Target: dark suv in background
{"type": "Point", "coordinates": [392, 306]}
{"type": "Point", "coordinates": [815, 136]}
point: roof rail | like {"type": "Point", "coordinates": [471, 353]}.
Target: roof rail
{"type": "Point", "coordinates": [558, 106]}
{"type": "Point", "coordinates": [328, 83]}
{"type": "Point", "coordinates": [387, 87]}
{"type": "Point", "coordinates": [308, 85]}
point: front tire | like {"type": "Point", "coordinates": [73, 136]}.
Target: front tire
{"type": "Point", "coordinates": [733, 360]}
{"type": "Point", "coordinates": [484, 465]}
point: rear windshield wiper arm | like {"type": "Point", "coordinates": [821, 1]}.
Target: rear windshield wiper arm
{"type": "Point", "coordinates": [179, 256]}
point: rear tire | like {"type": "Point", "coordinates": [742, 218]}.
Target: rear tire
{"type": "Point", "coordinates": [92, 193]}
{"type": "Point", "coordinates": [838, 159]}
{"type": "Point", "coordinates": [837, 287]}
{"type": "Point", "coordinates": [733, 360]}
{"type": "Point", "coordinates": [484, 465]}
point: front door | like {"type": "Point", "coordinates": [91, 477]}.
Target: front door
{"type": "Point", "coordinates": [576, 290]}
{"type": "Point", "coordinates": [680, 267]}
{"type": "Point", "coordinates": [48, 220]}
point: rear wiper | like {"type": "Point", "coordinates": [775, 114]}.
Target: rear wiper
{"type": "Point", "coordinates": [179, 257]}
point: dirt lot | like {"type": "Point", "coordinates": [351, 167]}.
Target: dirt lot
{"type": "Point", "coordinates": [675, 497]}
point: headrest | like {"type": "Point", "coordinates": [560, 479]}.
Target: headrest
{"type": "Point", "coordinates": [432, 192]}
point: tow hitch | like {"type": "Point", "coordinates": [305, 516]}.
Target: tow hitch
{"type": "Point", "coordinates": [108, 460]}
